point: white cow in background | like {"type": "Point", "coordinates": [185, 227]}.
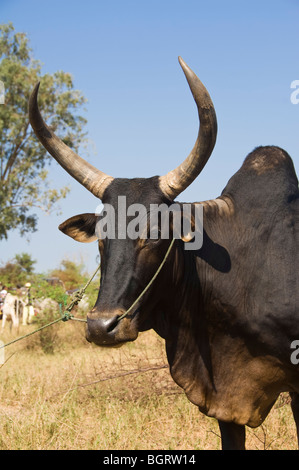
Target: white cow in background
{"type": "Point", "coordinates": [11, 310]}
{"type": "Point", "coordinates": [47, 305]}
{"type": "Point", "coordinates": [84, 305]}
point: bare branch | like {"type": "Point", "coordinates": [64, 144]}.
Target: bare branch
{"type": "Point", "coordinates": [111, 377]}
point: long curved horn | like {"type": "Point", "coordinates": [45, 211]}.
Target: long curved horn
{"type": "Point", "coordinates": [90, 177]}
{"type": "Point", "coordinates": [174, 182]}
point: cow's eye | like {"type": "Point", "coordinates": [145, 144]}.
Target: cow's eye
{"type": "Point", "coordinates": [152, 238]}
{"type": "Point", "coordinates": [154, 234]}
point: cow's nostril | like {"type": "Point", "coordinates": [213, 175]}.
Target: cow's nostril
{"type": "Point", "coordinates": [112, 324]}
{"type": "Point", "coordinates": [108, 329]}
{"type": "Point", "coordinates": [101, 330]}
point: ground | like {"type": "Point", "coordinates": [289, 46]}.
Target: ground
{"type": "Point", "coordinates": [84, 397]}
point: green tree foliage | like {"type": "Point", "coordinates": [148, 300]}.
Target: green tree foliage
{"type": "Point", "coordinates": [71, 274]}
{"type": "Point", "coordinates": [74, 277]}
{"type": "Point", "coordinates": [24, 182]}
{"type": "Point", "coordinates": [25, 261]}
{"type": "Point", "coordinates": [17, 272]}
{"type": "Point", "coordinates": [42, 289]}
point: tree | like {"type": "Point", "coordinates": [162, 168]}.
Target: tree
{"type": "Point", "coordinates": [17, 271]}
{"type": "Point", "coordinates": [23, 161]}
{"type": "Point", "coordinates": [74, 276]}
{"type": "Point", "coordinates": [26, 263]}
{"type": "Point", "coordinates": [71, 274]}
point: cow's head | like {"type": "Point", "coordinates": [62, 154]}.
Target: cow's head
{"type": "Point", "coordinates": [128, 263]}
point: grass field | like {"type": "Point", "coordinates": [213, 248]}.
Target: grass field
{"type": "Point", "coordinates": [84, 397]}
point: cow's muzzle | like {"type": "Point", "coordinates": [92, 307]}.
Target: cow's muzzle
{"type": "Point", "coordinates": [108, 330]}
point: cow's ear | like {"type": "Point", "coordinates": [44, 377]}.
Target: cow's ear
{"type": "Point", "coordinates": [80, 227]}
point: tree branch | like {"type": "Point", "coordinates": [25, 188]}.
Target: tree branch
{"type": "Point", "coordinates": [11, 160]}
{"type": "Point", "coordinates": [110, 377]}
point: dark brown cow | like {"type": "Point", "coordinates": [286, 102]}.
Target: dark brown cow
{"type": "Point", "coordinates": [228, 311]}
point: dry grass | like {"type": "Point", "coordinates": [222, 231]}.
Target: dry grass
{"type": "Point", "coordinates": [84, 397]}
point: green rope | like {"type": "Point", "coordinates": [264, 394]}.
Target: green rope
{"type": "Point", "coordinates": [65, 317]}
{"type": "Point", "coordinates": [78, 297]}
{"type": "Point", "coordinates": [150, 283]}
{"type": "Point", "coordinates": [32, 332]}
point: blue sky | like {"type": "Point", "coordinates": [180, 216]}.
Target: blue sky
{"type": "Point", "coordinates": [142, 120]}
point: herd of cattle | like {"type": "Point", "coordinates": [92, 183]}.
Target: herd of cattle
{"type": "Point", "coordinates": [16, 310]}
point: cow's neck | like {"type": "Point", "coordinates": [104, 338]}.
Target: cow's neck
{"type": "Point", "coordinates": [188, 281]}
{"type": "Point", "coordinates": [183, 318]}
